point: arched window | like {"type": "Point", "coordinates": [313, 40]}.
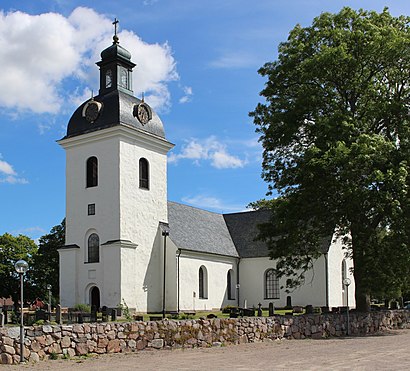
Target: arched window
{"type": "Point", "coordinates": [203, 283]}
{"type": "Point", "coordinates": [92, 172]}
{"type": "Point", "coordinates": [144, 173]}
{"type": "Point", "coordinates": [230, 285]}
{"type": "Point", "coordinates": [93, 248]}
{"type": "Point", "coordinates": [271, 285]}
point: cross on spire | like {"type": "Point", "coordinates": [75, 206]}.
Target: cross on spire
{"type": "Point", "coordinates": [116, 21]}
{"type": "Point", "coordinates": [115, 37]}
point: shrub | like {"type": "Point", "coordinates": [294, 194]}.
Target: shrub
{"type": "Point", "coordinates": [82, 308]}
{"type": "Point", "coordinates": [228, 308]}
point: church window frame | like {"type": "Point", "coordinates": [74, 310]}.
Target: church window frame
{"type": "Point", "coordinates": [230, 285]}
{"type": "Point", "coordinates": [271, 283]}
{"type": "Point", "coordinates": [108, 79]}
{"type": "Point", "coordinates": [202, 282]}
{"type": "Point", "coordinates": [91, 209]}
{"type": "Point", "coordinates": [144, 173]}
{"type": "Point", "coordinates": [92, 172]}
{"type": "Point", "coordinates": [93, 248]}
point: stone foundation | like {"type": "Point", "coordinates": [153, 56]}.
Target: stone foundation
{"type": "Point", "coordinates": [75, 340]}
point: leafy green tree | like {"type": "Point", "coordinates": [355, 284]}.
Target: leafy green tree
{"type": "Point", "coordinates": [46, 261]}
{"type": "Point", "coordinates": [13, 249]}
{"type": "Point", "coordinates": [335, 132]}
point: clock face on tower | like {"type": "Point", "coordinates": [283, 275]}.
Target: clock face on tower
{"type": "Point", "coordinates": [92, 110]}
{"type": "Point", "coordinates": [143, 113]}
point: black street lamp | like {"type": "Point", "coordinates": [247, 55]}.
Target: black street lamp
{"type": "Point", "coordinates": [49, 301]}
{"type": "Point", "coordinates": [21, 267]}
{"type": "Point", "coordinates": [347, 283]}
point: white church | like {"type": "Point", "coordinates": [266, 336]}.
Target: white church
{"type": "Point", "coordinates": [125, 242]}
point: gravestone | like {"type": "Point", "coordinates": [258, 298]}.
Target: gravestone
{"type": "Point", "coordinates": [104, 312]}
{"type": "Point", "coordinates": [113, 314]}
{"type": "Point", "coordinates": [93, 317]}
{"type": "Point", "coordinates": [271, 310]}
{"type": "Point", "coordinates": [259, 310]}
{"type": "Point", "coordinates": [309, 309]}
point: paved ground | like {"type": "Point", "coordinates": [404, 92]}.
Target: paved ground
{"type": "Point", "coordinates": [390, 351]}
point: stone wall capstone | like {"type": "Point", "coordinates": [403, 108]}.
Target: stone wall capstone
{"type": "Point", "coordinates": [47, 341]}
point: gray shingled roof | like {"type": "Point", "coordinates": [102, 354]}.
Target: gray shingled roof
{"type": "Point", "coordinates": [199, 230]}
{"type": "Point", "coordinates": [224, 234]}
{"type": "Point", "coordinates": [243, 228]}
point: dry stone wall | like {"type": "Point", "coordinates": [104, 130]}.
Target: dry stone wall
{"type": "Point", "coordinates": [79, 339]}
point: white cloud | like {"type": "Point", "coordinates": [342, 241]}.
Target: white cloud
{"type": "Point", "coordinates": [209, 149]}
{"type": "Point", "coordinates": [235, 60]}
{"type": "Point", "coordinates": [6, 168]}
{"type": "Point", "coordinates": [155, 68]}
{"type": "Point", "coordinates": [8, 174]}
{"type": "Point", "coordinates": [211, 203]}
{"type": "Point", "coordinates": [38, 52]}
{"type": "Point", "coordinates": [188, 95]}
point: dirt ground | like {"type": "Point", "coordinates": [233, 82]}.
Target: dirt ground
{"type": "Point", "coordinates": [389, 351]}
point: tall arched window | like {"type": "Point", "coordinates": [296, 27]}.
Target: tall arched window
{"type": "Point", "coordinates": [271, 285]}
{"type": "Point", "coordinates": [230, 285]}
{"type": "Point", "coordinates": [144, 173]}
{"type": "Point", "coordinates": [93, 248]}
{"type": "Point", "coordinates": [92, 172]}
{"type": "Point", "coordinates": [203, 283]}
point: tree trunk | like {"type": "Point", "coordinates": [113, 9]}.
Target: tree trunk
{"type": "Point", "coordinates": [361, 293]}
{"type": "Point", "coordinates": [362, 299]}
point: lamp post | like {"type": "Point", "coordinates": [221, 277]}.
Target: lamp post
{"type": "Point", "coordinates": [21, 267]}
{"type": "Point", "coordinates": [49, 301]}
{"type": "Point", "coordinates": [347, 283]}
{"type": "Point", "coordinates": [165, 233]}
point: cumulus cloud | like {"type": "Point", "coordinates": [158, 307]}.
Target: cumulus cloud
{"type": "Point", "coordinates": [211, 203]}
{"type": "Point", "coordinates": [209, 149]}
{"type": "Point", "coordinates": [38, 52]}
{"type": "Point", "coordinates": [8, 174]}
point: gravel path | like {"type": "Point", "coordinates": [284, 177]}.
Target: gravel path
{"type": "Point", "coordinates": [390, 351]}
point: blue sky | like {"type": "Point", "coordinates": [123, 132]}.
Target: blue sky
{"type": "Point", "coordinates": [197, 63]}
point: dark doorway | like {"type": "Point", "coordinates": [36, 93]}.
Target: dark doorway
{"type": "Point", "coordinates": [95, 297]}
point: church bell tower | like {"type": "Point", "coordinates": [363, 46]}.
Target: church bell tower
{"type": "Point", "coordinates": [116, 194]}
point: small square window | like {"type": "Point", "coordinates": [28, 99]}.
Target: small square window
{"type": "Point", "coordinates": [91, 209]}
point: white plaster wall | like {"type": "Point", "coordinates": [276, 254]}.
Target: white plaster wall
{"type": "Point", "coordinates": [68, 276]}
{"type": "Point", "coordinates": [171, 294]}
{"type": "Point", "coordinates": [140, 212]}
{"type": "Point", "coordinates": [336, 255]}
{"type": "Point", "coordinates": [79, 224]}
{"type": "Point", "coordinates": [109, 275]}
{"type": "Point", "coordinates": [127, 276]}
{"type": "Point", "coordinates": [123, 212]}
{"type": "Point", "coordinates": [251, 276]}
{"type": "Point", "coordinates": [217, 268]}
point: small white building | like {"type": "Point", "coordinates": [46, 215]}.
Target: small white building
{"type": "Point", "coordinates": [123, 236]}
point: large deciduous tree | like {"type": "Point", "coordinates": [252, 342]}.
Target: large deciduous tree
{"type": "Point", "coordinates": [336, 137]}
{"type": "Point", "coordinates": [13, 249]}
{"type": "Point", "coordinates": [46, 261]}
